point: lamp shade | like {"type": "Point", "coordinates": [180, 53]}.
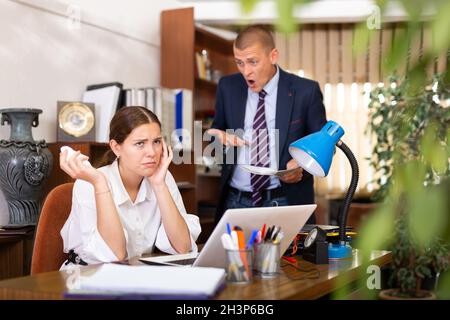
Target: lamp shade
{"type": "Point", "coordinates": [315, 151]}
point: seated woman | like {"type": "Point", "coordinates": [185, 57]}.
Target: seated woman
{"type": "Point", "coordinates": [128, 207]}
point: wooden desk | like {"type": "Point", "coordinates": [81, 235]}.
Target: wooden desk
{"type": "Point", "coordinates": [52, 285]}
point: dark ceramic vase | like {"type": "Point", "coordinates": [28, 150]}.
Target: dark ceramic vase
{"type": "Point", "coordinates": [24, 166]}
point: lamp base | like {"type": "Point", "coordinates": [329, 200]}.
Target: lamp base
{"type": "Point", "coordinates": [339, 251]}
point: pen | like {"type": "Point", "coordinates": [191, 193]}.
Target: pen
{"type": "Point", "coordinates": [275, 236]}
{"type": "Point", "coordinates": [228, 228]}
{"type": "Point", "coordinates": [268, 234]}
{"type": "Point", "coordinates": [265, 235]}
{"type": "Point", "coordinates": [252, 239]}
{"type": "Point", "coordinates": [269, 258]}
{"type": "Point", "coordinates": [274, 233]}
{"type": "Point", "coordinates": [279, 237]}
{"type": "Point", "coordinates": [258, 237]}
{"type": "Point", "coordinates": [241, 239]}
{"type": "Point", "coordinates": [263, 231]}
{"type": "Point", "coordinates": [241, 246]}
{"type": "Point", "coordinates": [234, 237]}
{"type": "Point", "coordinates": [228, 245]}
{"type": "Point", "coordinates": [227, 242]}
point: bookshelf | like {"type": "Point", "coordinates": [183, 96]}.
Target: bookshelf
{"type": "Point", "coordinates": [181, 44]}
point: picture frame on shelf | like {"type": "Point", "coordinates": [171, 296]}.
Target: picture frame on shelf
{"type": "Point", "coordinates": [76, 121]}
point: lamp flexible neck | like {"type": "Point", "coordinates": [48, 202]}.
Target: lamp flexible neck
{"type": "Point", "coordinates": [351, 189]}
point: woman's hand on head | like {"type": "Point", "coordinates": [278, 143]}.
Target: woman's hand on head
{"type": "Point", "coordinates": [159, 175]}
{"type": "Point", "coordinates": [75, 167]}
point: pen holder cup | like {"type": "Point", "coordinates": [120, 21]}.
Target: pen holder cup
{"type": "Point", "coordinates": [267, 259]}
{"type": "Point", "coordinates": [239, 266]}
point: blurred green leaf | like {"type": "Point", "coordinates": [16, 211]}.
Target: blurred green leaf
{"type": "Point", "coordinates": [286, 22]}
{"type": "Point", "coordinates": [417, 78]}
{"type": "Point", "coordinates": [435, 154]}
{"type": "Point", "coordinates": [414, 8]}
{"type": "Point", "coordinates": [376, 231]}
{"type": "Point", "coordinates": [247, 6]}
{"type": "Point", "coordinates": [448, 142]}
{"type": "Point", "coordinates": [361, 39]}
{"type": "Point", "coordinates": [343, 290]}
{"type": "Point", "coordinates": [443, 291]}
{"type": "Point", "coordinates": [410, 177]}
{"type": "Point", "coordinates": [440, 29]}
{"type": "Point", "coordinates": [398, 51]}
{"type": "Point", "coordinates": [382, 4]}
{"type": "Point", "coordinates": [427, 216]}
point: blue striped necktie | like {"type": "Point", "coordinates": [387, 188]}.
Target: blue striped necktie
{"type": "Point", "coordinates": [259, 151]}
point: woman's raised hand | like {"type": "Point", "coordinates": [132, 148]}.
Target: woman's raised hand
{"type": "Point", "coordinates": [159, 176]}
{"type": "Point", "coordinates": [76, 167]}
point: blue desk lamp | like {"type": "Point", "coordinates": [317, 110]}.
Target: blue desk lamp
{"type": "Point", "coordinates": [314, 154]}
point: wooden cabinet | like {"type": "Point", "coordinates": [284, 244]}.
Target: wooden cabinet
{"type": "Point", "coordinates": [181, 40]}
{"type": "Point", "coordinates": [16, 248]}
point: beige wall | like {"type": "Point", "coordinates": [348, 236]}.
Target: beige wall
{"type": "Point", "coordinates": [43, 59]}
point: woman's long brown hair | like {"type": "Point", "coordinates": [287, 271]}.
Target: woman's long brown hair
{"type": "Point", "coordinates": [121, 125]}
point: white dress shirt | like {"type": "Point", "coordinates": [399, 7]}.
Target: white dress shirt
{"type": "Point", "coordinates": [141, 220]}
{"type": "Point", "coordinates": [241, 179]}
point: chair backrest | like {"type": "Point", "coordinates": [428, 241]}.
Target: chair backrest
{"type": "Point", "coordinates": [48, 252]}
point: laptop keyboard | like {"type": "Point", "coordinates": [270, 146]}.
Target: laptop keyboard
{"type": "Point", "coordinates": [183, 262]}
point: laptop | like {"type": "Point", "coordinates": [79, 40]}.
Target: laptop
{"type": "Point", "coordinates": [291, 219]}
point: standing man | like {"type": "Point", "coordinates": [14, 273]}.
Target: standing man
{"type": "Point", "coordinates": [271, 108]}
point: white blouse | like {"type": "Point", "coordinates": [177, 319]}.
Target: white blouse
{"type": "Point", "coordinates": [141, 220]}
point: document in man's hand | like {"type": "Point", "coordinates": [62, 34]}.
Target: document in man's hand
{"type": "Point", "coordinates": [151, 281]}
{"type": "Point", "coordinates": [264, 171]}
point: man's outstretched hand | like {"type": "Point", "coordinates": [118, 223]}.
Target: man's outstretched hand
{"type": "Point", "coordinates": [294, 176]}
{"type": "Point", "coordinates": [228, 139]}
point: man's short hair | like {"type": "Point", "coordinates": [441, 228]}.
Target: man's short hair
{"type": "Point", "coordinates": [252, 35]}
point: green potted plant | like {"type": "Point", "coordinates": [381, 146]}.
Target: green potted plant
{"type": "Point", "coordinates": [398, 118]}
{"type": "Point", "coordinates": [411, 160]}
{"type": "Point", "coordinates": [413, 264]}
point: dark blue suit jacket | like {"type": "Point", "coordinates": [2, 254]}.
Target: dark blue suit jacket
{"type": "Point", "coordinates": [300, 111]}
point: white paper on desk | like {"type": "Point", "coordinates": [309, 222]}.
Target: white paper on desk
{"type": "Point", "coordinates": [154, 280]}
{"type": "Point", "coordinates": [264, 171]}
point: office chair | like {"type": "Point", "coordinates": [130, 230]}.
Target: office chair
{"type": "Point", "coordinates": [48, 252]}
